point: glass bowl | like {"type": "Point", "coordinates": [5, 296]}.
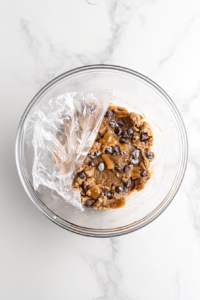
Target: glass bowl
{"type": "Point", "coordinates": [137, 93]}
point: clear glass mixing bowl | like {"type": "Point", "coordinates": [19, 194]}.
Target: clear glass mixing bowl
{"type": "Point", "coordinates": [137, 93]}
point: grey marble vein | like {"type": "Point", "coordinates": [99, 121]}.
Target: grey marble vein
{"type": "Point", "coordinates": [63, 59]}
{"type": "Point", "coordinates": [176, 285]}
{"type": "Point", "coordinates": [106, 271]}
{"type": "Point", "coordinates": [179, 39]}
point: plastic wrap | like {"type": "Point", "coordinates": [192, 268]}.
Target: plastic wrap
{"type": "Point", "coordinates": [63, 131]}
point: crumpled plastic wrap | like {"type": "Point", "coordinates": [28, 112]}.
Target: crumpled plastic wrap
{"type": "Point", "coordinates": [64, 130]}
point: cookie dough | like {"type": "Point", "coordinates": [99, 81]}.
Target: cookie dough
{"type": "Point", "coordinates": [118, 162]}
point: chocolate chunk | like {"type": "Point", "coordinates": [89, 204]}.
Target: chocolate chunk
{"type": "Point", "coordinates": [91, 163]}
{"type": "Point", "coordinates": [130, 131]}
{"type": "Point", "coordinates": [88, 203]}
{"type": "Point", "coordinates": [109, 150]}
{"type": "Point", "coordinates": [144, 137]}
{"type": "Point", "coordinates": [116, 149]}
{"type": "Point", "coordinates": [112, 123]}
{"type": "Point", "coordinates": [108, 195]}
{"type": "Point", "coordinates": [122, 140]}
{"type": "Point", "coordinates": [118, 130]}
{"type": "Point", "coordinates": [101, 166]}
{"type": "Point", "coordinates": [127, 184]}
{"type": "Point", "coordinates": [126, 168]}
{"type": "Point", "coordinates": [109, 114]}
{"type": "Point", "coordinates": [143, 173]}
{"type": "Point", "coordinates": [134, 162]}
{"type": "Point", "coordinates": [125, 134]}
{"type": "Point", "coordinates": [149, 154]}
{"type": "Point", "coordinates": [81, 175]}
{"type": "Point", "coordinates": [120, 123]}
{"type": "Point", "coordinates": [119, 168]}
{"type": "Point", "coordinates": [135, 154]}
{"type": "Point", "coordinates": [119, 189]}
{"type": "Point", "coordinates": [125, 190]}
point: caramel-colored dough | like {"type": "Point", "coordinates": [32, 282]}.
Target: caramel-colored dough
{"type": "Point", "coordinates": [118, 161]}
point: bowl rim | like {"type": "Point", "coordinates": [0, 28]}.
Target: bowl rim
{"type": "Point", "coordinates": [89, 231]}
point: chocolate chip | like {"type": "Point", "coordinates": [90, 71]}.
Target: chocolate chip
{"type": "Point", "coordinates": [81, 175]}
{"type": "Point", "coordinates": [119, 168]}
{"type": "Point", "coordinates": [116, 149]}
{"type": "Point", "coordinates": [91, 163]}
{"type": "Point", "coordinates": [120, 123]}
{"type": "Point", "coordinates": [130, 131]}
{"type": "Point", "coordinates": [149, 154]}
{"type": "Point", "coordinates": [122, 140]}
{"type": "Point", "coordinates": [125, 134]}
{"type": "Point", "coordinates": [109, 114]}
{"type": "Point", "coordinates": [112, 170]}
{"type": "Point", "coordinates": [95, 154]}
{"type": "Point", "coordinates": [144, 137]}
{"type": "Point", "coordinates": [119, 189]}
{"type": "Point", "coordinates": [126, 168]}
{"type": "Point", "coordinates": [118, 130]}
{"type": "Point", "coordinates": [88, 203]}
{"type": "Point", "coordinates": [109, 150]}
{"type": "Point", "coordinates": [143, 173]}
{"type": "Point", "coordinates": [101, 166]}
{"type": "Point", "coordinates": [134, 162]}
{"type": "Point", "coordinates": [135, 154]}
{"type": "Point", "coordinates": [127, 184]}
{"type": "Point", "coordinates": [125, 190]}
{"type": "Point", "coordinates": [108, 195]}
{"type": "Point", "coordinates": [83, 191]}
{"type": "Point", "coordinates": [112, 123]}
{"type": "Point", "coordinates": [84, 187]}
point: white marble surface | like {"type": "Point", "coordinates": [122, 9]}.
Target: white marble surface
{"type": "Point", "coordinates": [42, 39]}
